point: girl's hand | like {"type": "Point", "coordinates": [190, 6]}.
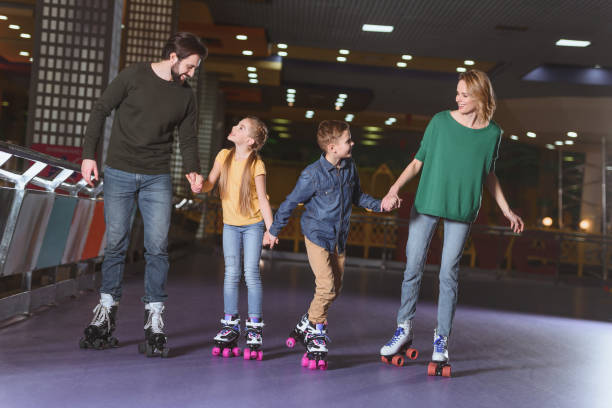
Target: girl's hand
{"type": "Point", "coordinates": [196, 181]}
{"type": "Point", "coordinates": [269, 239]}
{"type": "Point", "coordinates": [516, 223]}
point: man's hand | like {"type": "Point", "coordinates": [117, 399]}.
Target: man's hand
{"type": "Point", "coordinates": [87, 167]}
{"type": "Point", "coordinates": [196, 181]}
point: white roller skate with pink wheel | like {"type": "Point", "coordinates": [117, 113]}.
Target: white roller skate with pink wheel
{"type": "Point", "coordinates": [226, 341]}
{"type": "Point", "coordinates": [254, 340]}
{"type": "Point", "coordinates": [298, 333]}
{"type": "Point", "coordinates": [316, 348]}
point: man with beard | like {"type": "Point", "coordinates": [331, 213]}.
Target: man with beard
{"type": "Point", "coordinates": [150, 100]}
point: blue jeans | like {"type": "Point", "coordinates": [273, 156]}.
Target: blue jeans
{"type": "Point", "coordinates": [154, 195]}
{"type": "Point", "coordinates": [235, 238]}
{"type": "Point", "coordinates": [421, 230]}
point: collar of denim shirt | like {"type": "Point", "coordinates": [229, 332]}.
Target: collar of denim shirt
{"type": "Point", "coordinates": [328, 166]}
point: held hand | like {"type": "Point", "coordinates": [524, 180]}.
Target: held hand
{"type": "Point", "coordinates": [196, 181]}
{"type": "Point", "coordinates": [516, 223]}
{"type": "Point", "coordinates": [87, 167]}
{"type": "Point", "coordinates": [390, 202]}
{"type": "Point", "coordinates": [270, 239]}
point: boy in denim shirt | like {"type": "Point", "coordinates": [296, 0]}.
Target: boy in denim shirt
{"type": "Point", "coordinates": [328, 188]}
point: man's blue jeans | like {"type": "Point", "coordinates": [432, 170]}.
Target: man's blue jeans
{"type": "Point", "coordinates": [154, 196]}
{"type": "Point", "coordinates": [420, 233]}
{"type": "Point", "coordinates": [236, 238]}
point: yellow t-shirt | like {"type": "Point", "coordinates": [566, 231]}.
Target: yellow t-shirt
{"type": "Point", "coordinates": [230, 203]}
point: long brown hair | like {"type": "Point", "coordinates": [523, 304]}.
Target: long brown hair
{"type": "Point", "coordinates": [259, 134]}
{"type": "Point", "coordinates": [479, 85]}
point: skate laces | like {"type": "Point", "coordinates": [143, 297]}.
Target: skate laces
{"type": "Point", "coordinates": [155, 322]}
{"type": "Point", "coordinates": [440, 344]}
{"type": "Point", "coordinates": [101, 317]}
{"type": "Point", "coordinates": [399, 333]}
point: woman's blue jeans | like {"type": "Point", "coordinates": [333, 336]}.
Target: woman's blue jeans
{"type": "Point", "coordinates": [421, 230]}
{"type": "Point", "coordinates": [237, 240]}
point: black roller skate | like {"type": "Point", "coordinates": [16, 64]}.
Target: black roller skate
{"type": "Point", "coordinates": [226, 341]}
{"type": "Point", "coordinates": [299, 332]}
{"type": "Point", "coordinates": [439, 365]}
{"type": "Point", "coordinates": [316, 348]}
{"type": "Point", "coordinates": [254, 340]}
{"type": "Point", "coordinates": [155, 344]}
{"type": "Point", "coordinates": [99, 333]}
{"type": "Point", "coordinates": [396, 349]}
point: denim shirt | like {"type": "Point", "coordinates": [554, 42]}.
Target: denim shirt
{"type": "Point", "coordinates": [328, 193]}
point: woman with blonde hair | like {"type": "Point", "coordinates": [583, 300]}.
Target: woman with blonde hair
{"type": "Point", "coordinates": [457, 156]}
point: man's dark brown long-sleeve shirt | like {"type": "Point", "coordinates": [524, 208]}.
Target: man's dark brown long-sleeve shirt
{"type": "Point", "coordinates": [148, 109]}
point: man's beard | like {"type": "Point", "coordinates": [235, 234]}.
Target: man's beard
{"type": "Point", "coordinates": [176, 77]}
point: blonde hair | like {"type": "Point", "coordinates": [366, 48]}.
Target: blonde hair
{"type": "Point", "coordinates": [479, 86]}
{"type": "Point", "coordinates": [329, 131]}
{"type": "Point", "coordinates": [259, 134]}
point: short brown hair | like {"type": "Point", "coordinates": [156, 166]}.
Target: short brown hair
{"type": "Point", "coordinates": [479, 85]}
{"type": "Point", "coordinates": [329, 131]}
{"type": "Point", "coordinates": [184, 44]}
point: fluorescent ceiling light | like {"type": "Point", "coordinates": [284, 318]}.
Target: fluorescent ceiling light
{"type": "Point", "coordinates": [349, 117]}
{"type": "Point", "coordinates": [253, 81]}
{"type": "Point", "coordinates": [377, 28]}
{"type": "Point", "coordinates": [283, 53]}
{"type": "Point", "coordinates": [550, 147]}
{"type": "Point", "coordinates": [284, 135]}
{"type": "Point", "coordinates": [461, 69]}
{"type": "Point", "coordinates": [343, 96]}
{"type": "Point", "coordinates": [406, 57]}
{"type": "Point", "coordinates": [252, 75]}
{"type": "Point", "coordinates": [344, 52]}
{"type": "Point", "coordinates": [281, 121]}
{"type": "Point", "coordinates": [369, 142]}
{"type": "Point", "coordinates": [247, 52]}
{"type": "Point", "coordinates": [3, 17]}
{"type": "Point", "coordinates": [401, 64]}
{"type": "Point", "coordinates": [14, 27]}
{"type": "Point", "coordinates": [514, 137]}
{"type": "Point", "coordinates": [290, 91]}
{"type": "Point", "coordinates": [569, 142]}
{"type": "Point", "coordinates": [242, 37]}
{"type": "Point", "coordinates": [572, 134]}
{"type": "Point", "coordinates": [251, 69]}
{"type": "Point", "coordinates": [24, 53]}
{"type": "Point", "coordinates": [572, 43]}
{"type": "Point", "coordinates": [372, 136]}
{"type": "Point", "coordinates": [341, 59]}
{"type": "Point", "coordinates": [372, 128]}
{"type": "Point", "coordinates": [468, 62]}
{"type": "Point", "coordinates": [281, 45]}
{"type": "Point", "coordinates": [280, 128]}
{"type": "Point", "coordinates": [25, 35]}
{"type": "Point", "coordinates": [309, 114]}
{"type": "Point", "coordinates": [559, 143]}
{"type": "Point", "coordinates": [531, 134]}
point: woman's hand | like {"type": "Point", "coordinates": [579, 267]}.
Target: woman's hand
{"type": "Point", "coordinates": [516, 222]}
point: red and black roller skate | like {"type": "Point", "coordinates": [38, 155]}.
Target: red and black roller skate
{"type": "Point", "coordinates": [439, 365]}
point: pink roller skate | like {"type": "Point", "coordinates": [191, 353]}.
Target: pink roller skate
{"type": "Point", "coordinates": [227, 338]}
{"type": "Point", "coordinates": [316, 348]}
{"type": "Point", "coordinates": [299, 332]}
{"type": "Point", "coordinates": [254, 340]}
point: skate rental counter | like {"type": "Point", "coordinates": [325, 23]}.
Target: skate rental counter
{"type": "Point", "coordinates": [49, 218]}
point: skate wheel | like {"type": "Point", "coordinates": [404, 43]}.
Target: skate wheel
{"type": "Point", "coordinates": [149, 350]}
{"type": "Point", "coordinates": [259, 355]}
{"type": "Point", "coordinates": [142, 348]}
{"type": "Point", "coordinates": [384, 359]}
{"type": "Point", "coordinates": [312, 364]}
{"type": "Point", "coordinates": [247, 354]}
{"type": "Point", "coordinates": [114, 342]}
{"type": "Point", "coordinates": [165, 352]}
{"type": "Point", "coordinates": [236, 351]}
{"type": "Point", "coordinates": [412, 353]}
{"type": "Point", "coordinates": [397, 361]}
{"type": "Point", "coordinates": [431, 369]}
{"type": "Point", "coordinates": [98, 344]}
{"type": "Point", "coordinates": [446, 371]}
{"type": "Point", "coordinates": [227, 352]}
{"type": "Point", "coordinates": [82, 343]}
{"type": "Point", "coordinates": [290, 342]}
{"type": "Point", "coordinates": [305, 360]}
{"type": "Point", "coordinates": [322, 365]}
{"type": "Point", "coordinates": [216, 351]}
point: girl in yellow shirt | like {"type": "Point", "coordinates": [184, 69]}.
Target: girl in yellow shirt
{"type": "Point", "coordinates": [242, 186]}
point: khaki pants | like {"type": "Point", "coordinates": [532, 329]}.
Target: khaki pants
{"type": "Point", "coordinates": [328, 269]}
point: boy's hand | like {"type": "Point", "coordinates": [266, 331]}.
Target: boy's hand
{"type": "Point", "coordinates": [390, 202]}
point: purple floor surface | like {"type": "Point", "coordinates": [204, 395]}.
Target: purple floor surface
{"type": "Point", "coordinates": [503, 353]}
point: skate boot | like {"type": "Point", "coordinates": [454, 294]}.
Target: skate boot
{"type": "Point", "coordinates": [155, 343]}
{"type": "Point", "coordinates": [299, 332]}
{"type": "Point", "coordinates": [399, 346]}
{"type": "Point", "coordinates": [439, 359]}
{"type": "Point", "coordinates": [99, 333]}
{"type": "Point", "coordinates": [254, 339]}
{"type": "Point", "coordinates": [316, 347]}
{"type": "Point", "coordinates": [227, 338]}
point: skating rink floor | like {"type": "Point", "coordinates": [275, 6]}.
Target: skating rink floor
{"type": "Point", "coordinates": [515, 343]}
